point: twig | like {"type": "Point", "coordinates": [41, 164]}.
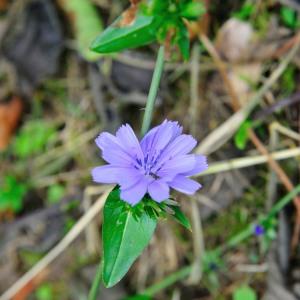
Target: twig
{"type": "Point", "coordinates": [272, 180]}
{"type": "Point", "coordinates": [69, 147]}
{"type": "Point", "coordinates": [244, 268]}
{"type": "Point", "coordinates": [97, 94]}
{"type": "Point", "coordinates": [293, 99]}
{"type": "Point", "coordinates": [244, 162]}
{"type": "Point", "coordinates": [91, 232]}
{"type": "Point", "coordinates": [198, 240]}
{"type": "Point", "coordinates": [222, 69]}
{"type": "Point", "coordinates": [275, 126]}
{"type": "Point", "coordinates": [194, 89]}
{"type": "Point", "coordinates": [57, 250]}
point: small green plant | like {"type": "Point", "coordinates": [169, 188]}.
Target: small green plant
{"type": "Point", "coordinates": [241, 137]}
{"type": "Point", "coordinates": [244, 292]}
{"type": "Point", "coordinates": [288, 80]}
{"type": "Point", "coordinates": [12, 194]}
{"type": "Point", "coordinates": [289, 17]}
{"type": "Point", "coordinates": [245, 11]}
{"type": "Point", "coordinates": [32, 138]}
{"type": "Point", "coordinates": [44, 292]}
{"type": "Point", "coordinates": [55, 193]}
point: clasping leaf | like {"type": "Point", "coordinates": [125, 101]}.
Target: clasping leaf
{"type": "Point", "coordinates": [125, 235]}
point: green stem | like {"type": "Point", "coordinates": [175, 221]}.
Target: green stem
{"type": "Point", "coordinates": [171, 279]}
{"type": "Point", "coordinates": [233, 242]}
{"type": "Point", "coordinates": [96, 284]}
{"type": "Point", "coordinates": [153, 90]}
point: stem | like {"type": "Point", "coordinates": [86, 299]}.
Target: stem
{"type": "Point", "coordinates": [96, 283]}
{"type": "Point", "coordinates": [153, 90]}
{"type": "Point", "coordinates": [171, 279]}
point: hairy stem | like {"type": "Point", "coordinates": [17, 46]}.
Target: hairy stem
{"type": "Point", "coordinates": [153, 90]}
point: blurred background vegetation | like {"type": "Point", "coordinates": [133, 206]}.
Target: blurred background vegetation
{"type": "Point", "coordinates": [56, 96]}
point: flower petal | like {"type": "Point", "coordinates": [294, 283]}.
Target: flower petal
{"type": "Point", "coordinates": [118, 157]}
{"type": "Point", "coordinates": [129, 178]}
{"type": "Point", "coordinates": [183, 144]}
{"type": "Point", "coordinates": [185, 185]}
{"type": "Point", "coordinates": [134, 194]}
{"type": "Point", "coordinates": [159, 137]}
{"type": "Point", "coordinates": [200, 166]}
{"type": "Point", "coordinates": [147, 140]}
{"type": "Point", "coordinates": [112, 151]}
{"type": "Point", "coordinates": [106, 140]}
{"type": "Point", "coordinates": [109, 174]}
{"type": "Point", "coordinates": [129, 141]}
{"type": "Point", "coordinates": [177, 165]}
{"type": "Point", "coordinates": [159, 190]}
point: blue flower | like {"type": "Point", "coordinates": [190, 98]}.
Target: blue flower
{"type": "Point", "coordinates": [160, 161]}
{"type": "Point", "coordinates": [258, 230]}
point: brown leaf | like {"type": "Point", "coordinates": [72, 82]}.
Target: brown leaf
{"type": "Point", "coordinates": [234, 40]}
{"type": "Point", "coordinates": [3, 5]}
{"type": "Point", "coordinates": [10, 114]}
{"type": "Point", "coordinates": [26, 290]}
{"type": "Point", "coordinates": [128, 16]}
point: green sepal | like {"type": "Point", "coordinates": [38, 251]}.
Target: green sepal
{"type": "Point", "coordinates": [172, 208]}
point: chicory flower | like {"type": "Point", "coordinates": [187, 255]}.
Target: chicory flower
{"type": "Point", "coordinates": [160, 161]}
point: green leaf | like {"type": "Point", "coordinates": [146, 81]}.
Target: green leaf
{"type": "Point", "coordinates": [55, 193]}
{"type": "Point", "coordinates": [193, 10]}
{"type": "Point", "coordinates": [245, 12]}
{"type": "Point", "coordinates": [86, 24]}
{"type": "Point", "coordinates": [32, 138]}
{"type": "Point", "coordinates": [241, 137]}
{"type": "Point", "coordinates": [115, 38]}
{"type": "Point", "coordinates": [183, 41]}
{"type": "Point", "coordinates": [44, 292]}
{"type": "Point", "coordinates": [288, 79]}
{"type": "Point", "coordinates": [180, 217]}
{"type": "Point", "coordinates": [244, 293]}
{"type": "Point", "coordinates": [288, 16]}
{"type": "Point", "coordinates": [125, 234]}
{"type": "Point", "coordinates": [12, 194]}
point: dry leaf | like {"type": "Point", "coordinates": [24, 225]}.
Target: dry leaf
{"type": "Point", "coordinates": [234, 40]}
{"type": "Point", "coordinates": [243, 78]}
{"type": "Point", "coordinates": [3, 5]}
{"type": "Point", "coordinates": [10, 114]}
{"type": "Point", "coordinates": [128, 17]}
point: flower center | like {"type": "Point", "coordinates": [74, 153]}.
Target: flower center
{"type": "Point", "coordinates": [149, 164]}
